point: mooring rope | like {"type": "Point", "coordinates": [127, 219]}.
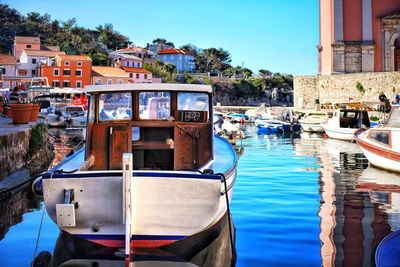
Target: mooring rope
{"type": "Point", "coordinates": [229, 218]}
{"type": "Point", "coordinates": [41, 219]}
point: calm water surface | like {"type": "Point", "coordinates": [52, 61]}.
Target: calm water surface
{"type": "Point", "coordinates": [305, 201]}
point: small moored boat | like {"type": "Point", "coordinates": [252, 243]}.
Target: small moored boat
{"type": "Point", "coordinates": [313, 122]}
{"type": "Point", "coordinates": [345, 122]}
{"type": "Point", "coordinates": [381, 145]}
{"type": "Point", "coordinates": [152, 172]}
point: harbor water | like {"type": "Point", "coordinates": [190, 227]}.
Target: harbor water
{"type": "Point", "coordinates": [298, 201]}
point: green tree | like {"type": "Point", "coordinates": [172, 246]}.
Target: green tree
{"type": "Point", "coordinates": [10, 23]}
{"type": "Point", "coordinates": [265, 73]}
{"type": "Point", "coordinates": [213, 60]}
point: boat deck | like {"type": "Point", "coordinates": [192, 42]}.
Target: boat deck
{"type": "Point", "coordinates": [224, 161]}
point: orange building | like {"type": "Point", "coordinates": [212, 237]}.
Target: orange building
{"type": "Point", "coordinates": [68, 71]}
{"type": "Point", "coordinates": [138, 75]}
{"type": "Point", "coordinates": [359, 36]}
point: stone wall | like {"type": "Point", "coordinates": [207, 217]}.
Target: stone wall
{"type": "Point", "coordinates": [15, 153]}
{"type": "Point", "coordinates": [341, 88]}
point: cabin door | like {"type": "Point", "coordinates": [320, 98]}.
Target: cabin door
{"type": "Point", "coordinates": [120, 142]}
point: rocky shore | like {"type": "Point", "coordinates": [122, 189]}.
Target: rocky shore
{"type": "Point", "coordinates": [25, 151]}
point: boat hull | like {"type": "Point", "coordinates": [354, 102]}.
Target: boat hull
{"type": "Point", "coordinates": [167, 207]}
{"type": "Point", "coordinates": [378, 156]}
{"type": "Point", "coordinates": [346, 134]}
{"type": "Point", "coordinates": [312, 127]}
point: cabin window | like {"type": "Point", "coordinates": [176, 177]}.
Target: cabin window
{"type": "Point", "coordinates": [193, 101]}
{"type": "Point", "coordinates": [154, 105]}
{"type": "Point", "coordinates": [379, 136]}
{"type": "Point", "coordinates": [115, 106]}
{"type": "Point", "coordinates": [394, 120]}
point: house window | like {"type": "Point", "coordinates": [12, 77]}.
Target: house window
{"type": "Point", "coordinates": [98, 81]}
{"type": "Point", "coordinates": [66, 63]}
{"type": "Point", "coordinates": [109, 81]}
{"type": "Point", "coordinates": [33, 60]}
{"type": "Point", "coordinates": [79, 63]}
{"type": "Point", "coordinates": [119, 81]}
{"type": "Point", "coordinates": [127, 63]}
{"type": "Point", "coordinates": [66, 84]}
{"type": "Point", "coordinates": [78, 84]}
{"type": "Point", "coordinates": [3, 71]}
{"type": "Point", "coordinates": [78, 73]}
{"type": "Point", "coordinates": [67, 72]}
{"type": "Point", "coordinates": [56, 72]}
{"type": "Point", "coordinates": [56, 83]}
{"type": "Point", "coordinates": [28, 46]}
{"type": "Point", "coordinates": [131, 75]}
{"type": "Point", "coordinates": [138, 64]}
{"type": "Point", "coordinates": [33, 72]}
{"type": "Point", "coordinates": [145, 76]}
{"type": "Point", "coordinates": [137, 75]}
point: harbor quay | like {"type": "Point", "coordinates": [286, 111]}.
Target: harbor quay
{"type": "Point", "coordinates": [25, 151]}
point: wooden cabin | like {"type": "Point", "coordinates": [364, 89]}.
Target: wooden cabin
{"type": "Point", "coordinates": [164, 126]}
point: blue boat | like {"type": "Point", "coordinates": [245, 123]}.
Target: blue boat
{"type": "Point", "coordinates": [388, 251]}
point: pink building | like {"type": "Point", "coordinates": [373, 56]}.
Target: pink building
{"type": "Point", "coordinates": [359, 36]}
{"type": "Point", "coordinates": [108, 75]}
{"type": "Point", "coordinates": [22, 43]}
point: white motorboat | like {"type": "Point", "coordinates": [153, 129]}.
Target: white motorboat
{"type": "Point", "coordinates": [313, 121]}
{"type": "Point", "coordinates": [144, 178]}
{"type": "Point", "coordinates": [381, 145]}
{"type": "Point", "coordinates": [345, 122]}
{"type": "Point", "coordinates": [71, 116]}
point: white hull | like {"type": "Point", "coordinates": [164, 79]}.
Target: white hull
{"type": "Point", "coordinates": [381, 162]}
{"type": "Point", "coordinates": [346, 134]}
{"type": "Point", "coordinates": [171, 208]}
{"type": "Point", "coordinates": [312, 127]}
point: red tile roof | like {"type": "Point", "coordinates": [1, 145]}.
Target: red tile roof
{"type": "Point", "coordinates": [43, 53]}
{"type": "Point", "coordinates": [105, 71]}
{"type": "Point", "coordinates": [6, 59]}
{"type": "Point", "coordinates": [174, 51]}
{"type": "Point", "coordinates": [75, 57]}
{"type": "Point", "coordinates": [27, 39]}
{"type": "Point", "coordinates": [136, 70]}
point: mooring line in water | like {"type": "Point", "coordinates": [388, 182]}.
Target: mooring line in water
{"type": "Point", "coordinates": [41, 219]}
{"type": "Point", "coordinates": [229, 217]}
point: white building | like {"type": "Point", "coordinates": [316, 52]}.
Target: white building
{"type": "Point", "coordinates": [30, 61]}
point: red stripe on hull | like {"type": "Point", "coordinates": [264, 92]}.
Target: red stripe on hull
{"type": "Point", "coordinates": [150, 243]}
{"type": "Point", "coordinates": [382, 152]}
{"type": "Point", "coordinates": [134, 243]}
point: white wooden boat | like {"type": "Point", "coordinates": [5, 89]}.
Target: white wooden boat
{"type": "Point", "coordinates": [345, 122]}
{"type": "Point", "coordinates": [313, 121]}
{"type": "Point", "coordinates": [144, 179]}
{"type": "Point", "coordinates": [381, 145]}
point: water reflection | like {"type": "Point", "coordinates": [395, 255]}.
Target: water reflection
{"type": "Point", "coordinates": [359, 204]}
{"type": "Point", "coordinates": [14, 204]}
{"type": "Point", "coordinates": [71, 251]}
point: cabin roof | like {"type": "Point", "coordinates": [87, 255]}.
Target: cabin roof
{"type": "Point", "coordinates": [148, 87]}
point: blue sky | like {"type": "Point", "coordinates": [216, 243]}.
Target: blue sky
{"type": "Point", "coordinates": [278, 35]}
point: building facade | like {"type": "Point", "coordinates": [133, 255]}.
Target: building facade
{"type": "Point", "coordinates": [108, 75]}
{"type": "Point", "coordinates": [68, 71]}
{"type": "Point", "coordinates": [125, 60]}
{"type": "Point", "coordinates": [22, 43]}
{"type": "Point", "coordinates": [359, 36]}
{"type": "Point", "coordinates": [7, 70]}
{"type": "Point", "coordinates": [183, 61]}
{"type": "Point", "coordinates": [31, 60]}
{"type": "Point", "coordinates": [138, 75]}
{"type": "Point", "coordinates": [145, 55]}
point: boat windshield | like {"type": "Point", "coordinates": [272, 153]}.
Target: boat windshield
{"type": "Point", "coordinates": [154, 105]}
{"type": "Point", "coordinates": [193, 101]}
{"type": "Point", "coordinates": [394, 119]}
{"type": "Point", "coordinates": [115, 106]}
